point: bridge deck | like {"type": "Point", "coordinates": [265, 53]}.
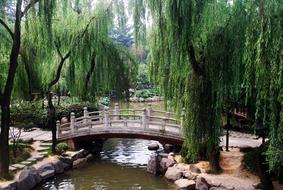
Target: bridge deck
{"type": "Point", "coordinates": [145, 123]}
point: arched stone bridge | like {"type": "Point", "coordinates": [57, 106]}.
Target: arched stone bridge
{"type": "Point", "coordinates": [123, 123]}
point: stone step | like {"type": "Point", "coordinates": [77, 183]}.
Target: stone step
{"type": "Point", "coordinates": [32, 160]}
{"type": "Point", "coordinates": [27, 163]}
{"type": "Point", "coordinates": [38, 157]}
{"type": "Point", "coordinates": [18, 166]}
{"type": "Point", "coordinates": [45, 144]}
{"type": "Point", "coordinates": [43, 154]}
{"type": "Point", "coordinates": [42, 149]}
{"type": "Point", "coordinates": [12, 169]}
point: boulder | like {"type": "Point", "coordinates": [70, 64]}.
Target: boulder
{"type": "Point", "coordinates": [153, 146]}
{"type": "Point", "coordinates": [79, 154]}
{"type": "Point", "coordinates": [46, 171]}
{"type": "Point", "coordinates": [89, 157]}
{"type": "Point", "coordinates": [66, 159]}
{"type": "Point", "coordinates": [168, 148]}
{"type": "Point", "coordinates": [173, 173]}
{"type": "Point", "coordinates": [194, 169]}
{"type": "Point", "coordinates": [165, 163]}
{"type": "Point", "coordinates": [201, 184]}
{"type": "Point", "coordinates": [28, 179]}
{"type": "Point", "coordinates": [189, 175]}
{"type": "Point", "coordinates": [58, 166]}
{"type": "Point", "coordinates": [171, 156]}
{"type": "Point", "coordinates": [79, 163]}
{"type": "Point", "coordinates": [10, 186]}
{"type": "Point", "coordinates": [185, 184]}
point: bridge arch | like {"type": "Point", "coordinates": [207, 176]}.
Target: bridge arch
{"type": "Point", "coordinates": [147, 123]}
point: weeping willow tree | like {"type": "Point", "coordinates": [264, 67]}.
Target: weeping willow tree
{"type": "Point", "coordinates": [264, 74]}
{"type": "Point", "coordinates": [12, 13]}
{"type": "Point", "coordinates": [196, 52]}
{"type": "Point", "coordinates": [79, 57]}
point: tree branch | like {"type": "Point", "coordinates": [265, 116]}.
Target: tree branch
{"type": "Point", "coordinates": [58, 49]}
{"type": "Point", "coordinates": [31, 4]}
{"type": "Point", "coordinates": [58, 73]}
{"type": "Point", "coordinates": [192, 58]}
{"type": "Point", "coordinates": [7, 28]}
{"type": "Point", "coordinates": [89, 73]}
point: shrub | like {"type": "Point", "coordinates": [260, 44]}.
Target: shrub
{"type": "Point", "coordinates": [104, 101]}
{"type": "Point", "coordinates": [147, 93]}
{"type": "Point", "coordinates": [61, 147]}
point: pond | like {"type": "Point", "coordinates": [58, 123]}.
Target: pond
{"type": "Point", "coordinates": [121, 166]}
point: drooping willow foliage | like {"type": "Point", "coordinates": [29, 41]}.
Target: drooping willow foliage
{"type": "Point", "coordinates": [208, 26]}
{"type": "Point", "coordinates": [237, 46]}
{"type": "Point", "coordinates": [264, 72]}
{"type": "Point", "coordinates": [97, 65]}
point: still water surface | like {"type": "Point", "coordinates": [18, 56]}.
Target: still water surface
{"type": "Point", "coordinates": [122, 166]}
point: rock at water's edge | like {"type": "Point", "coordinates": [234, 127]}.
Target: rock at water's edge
{"type": "Point", "coordinates": [185, 184]}
{"type": "Point", "coordinates": [201, 184]}
{"type": "Point", "coordinates": [28, 179]}
{"type": "Point", "coordinates": [173, 173]}
{"type": "Point", "coordinates": [153, 146]}
{"type": "Point", "coordinates": [79, 163]}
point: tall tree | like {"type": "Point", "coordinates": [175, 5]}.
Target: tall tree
{"type": "Point", "coordinates": [5, 96]}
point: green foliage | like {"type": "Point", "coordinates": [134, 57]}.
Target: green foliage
{"type": "Point", "coordinates": [142, 80]}
{"type": "Point", "coordinates": [23, 152]}
{"type": "Point", "coordinates": [61, 148]}
{"type": "Point", "coordinates": [29, 114]}
{"type": "Point", "coordinates": [106, 101]}
{"type": "Point", "coordinates": [147, 93]}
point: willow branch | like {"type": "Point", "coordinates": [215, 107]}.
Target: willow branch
{"type": "Point", "coordinates": [31, 4]}
{"type": "Point", "coordinates": [91, 70]}
{"type": "Point", "coordinates": [7, 28]}
{"type": "Point", "coordinates": [58, 73]}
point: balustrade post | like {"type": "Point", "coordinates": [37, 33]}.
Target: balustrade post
{"type": "Point", "coordinates": [149, 110]}
{"type": "Point", "coordinates": [182, 120]}
{"type": "Point", "coordinates": [126, 120]}
{"type": "Point", "coordinates": [72, 122]}
{"type": "Point", "coordinates": [85, 115]}
{"type": "Point", "coordinates": [163, 123]}
{"type": "Point", "coordinates": [106, 116]}
{"type": "Point", "coordinates": [116, 111]}
{"type": "Point", "coordinates": [59, 132]}
{"type": "Point", "coordinates": [143, 119]}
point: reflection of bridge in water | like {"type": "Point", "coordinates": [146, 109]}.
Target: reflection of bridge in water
{"type": "Point", "coordinates": [123, 123]}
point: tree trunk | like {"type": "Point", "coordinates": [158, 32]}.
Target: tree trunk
{"type": "Point", "coordinates": [4, 139]}
{"type": "Point", "coordinates": [6, 96]}
{"type": "Point", "coordinates": [263, 168]}
{"type": "Point", "coordinates": [52, 120]}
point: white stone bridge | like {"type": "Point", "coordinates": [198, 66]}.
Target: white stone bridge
{"type": "Point", "coordinates": [145, 123]}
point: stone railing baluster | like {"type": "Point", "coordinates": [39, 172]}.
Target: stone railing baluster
{"type": "Point", "coordinates": [116, 111]}
{"type": "Point", "coordinates": [125, 119]}
{"type": "Point", "coordinates": [85, 115]}
{"type": "Point", "coordinates": [106, 116]}
{"type": "Point", "coordinates": [72, 122]}
{"type": "Point", "coordinates": [143, 119]}
{"type": "Point", "coordinates": [149, 111]}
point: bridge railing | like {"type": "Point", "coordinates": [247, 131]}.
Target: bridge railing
{"type": "Point", "coordinates": [145, 119]}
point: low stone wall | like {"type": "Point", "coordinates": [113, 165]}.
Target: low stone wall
{"type": "Point", "coordinates": [31, 176]}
